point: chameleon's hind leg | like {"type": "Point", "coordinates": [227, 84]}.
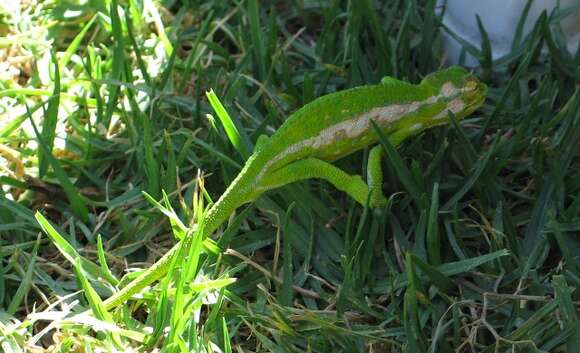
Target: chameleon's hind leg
{"type": "Point", "coordinates": [311, 168]}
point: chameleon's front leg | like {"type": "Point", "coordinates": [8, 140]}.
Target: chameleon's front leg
{"type": "Point", "coordinates": [353, 185]}
{"type": "Point", "coordinates": [375, 177]}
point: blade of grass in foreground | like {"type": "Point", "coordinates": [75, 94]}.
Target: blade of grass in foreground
{"type": "Point", "coordinates": [229, 126]}
{"type": "Point", "coordinates": [103, 262]}
{"type": "Point", "coordinates": [68, 251]}
{"type": "Point", "coordinates": [96, 303]}
{"type": "Point", "coordinates": [400, 168]}
{"type": "Point", "coordinates": [433, 239]}
{"type": "Point", "coordinates": [49, 123]}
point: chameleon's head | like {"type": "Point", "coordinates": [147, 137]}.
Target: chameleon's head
{"type": "Point", "coordinates": [457, 86]}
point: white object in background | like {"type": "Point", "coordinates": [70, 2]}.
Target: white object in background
{"type": "Point", "coordinates": [500, 19]}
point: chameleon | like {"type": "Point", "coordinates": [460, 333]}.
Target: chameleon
{"type": "Point", "coordinates": [325, 130]}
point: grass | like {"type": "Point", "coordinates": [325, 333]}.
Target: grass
{"type": "Point", "coordinates": [111, 151]}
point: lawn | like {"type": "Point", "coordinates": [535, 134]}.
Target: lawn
{"type": "Point", "coordinates": [110, 152]}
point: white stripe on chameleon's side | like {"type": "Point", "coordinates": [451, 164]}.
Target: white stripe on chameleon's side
{"type": "Point", "coordinates": [356, 127]}
{"type": "Point", "coordinates": [448, 89]}
{"type": "Point", "coordinates": [455, 106]}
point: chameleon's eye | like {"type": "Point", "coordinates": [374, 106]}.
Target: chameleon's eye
{"type": "Point", "coordinates": [470, 85]}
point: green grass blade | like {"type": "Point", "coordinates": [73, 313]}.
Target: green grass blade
{"type": "Point", "coordinates": [117, 64]}
{"type": "Point", "coordinates": [439, 279]}
{"type": "Point", "coordinates": [415, 337]}
{"type": "Point", "coordinates": [211, 284]}
{"type": "Point", "coordinates": [49, 123]}
{"type": "Point", "coordinates": [179, 228]}
{"type": "Point", "coordinates": [403, 173]}
{"type": "Point", "coordinates": [95, 302]}
{"type": "Point", "coordinates": [537, 319]}
{"type": "Point", "coordinates": [520, 26]}
{"type": "Point", "coordinates": [105, 271]}
{"type": "Point", "coordinates": [227, 346]}
{"type": "Point", "coordinates": [15, 123]}
{"type": "Point", "coordinates": [486, 60]}
{"type": "Point", "coordinates": [228, 124]}
{"type": "Point", "coordinates": [74, 45]}
{"type": "Point", "coordinates": [568, 312]}
{"type": "Point", "coordinates": [152, 167]}
{"type": "Point", "coordinates": [285, 297]}
{"type": "Point", "coordinates": [258, 55]}
{"type": "Point", "coordinates": [468, 184]}
{"type": "Point", "coordinates": [433, 238]}
{"type": "Point", "coordinates": [467, 151]}
{"type": "Point", "coordinates": [462, 266]}
{"type": "Point", "coordinates": [169, 180]}
{"type": "Point", "coordinates": [67, 250]}
{"type": "Point", "coordinates": [137, 49]}
{"type": "Point", "coordinates": [26, 281]}
{"type": "Point", "coordinates": [77, 201]}
{"type": "Point", "coordinates": [160, 27]}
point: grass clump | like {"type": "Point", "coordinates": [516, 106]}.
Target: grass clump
{"type": "Point", "coordinates": [111, 149]}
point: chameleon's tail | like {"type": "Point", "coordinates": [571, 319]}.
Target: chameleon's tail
{"type": "Point", "coordinates": [150, 275]}
{"type": "Point", "coordinates": [215, 216]}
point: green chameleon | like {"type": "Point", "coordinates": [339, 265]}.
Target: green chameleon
{"type": "Point", "coordinates": [327, 129]}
